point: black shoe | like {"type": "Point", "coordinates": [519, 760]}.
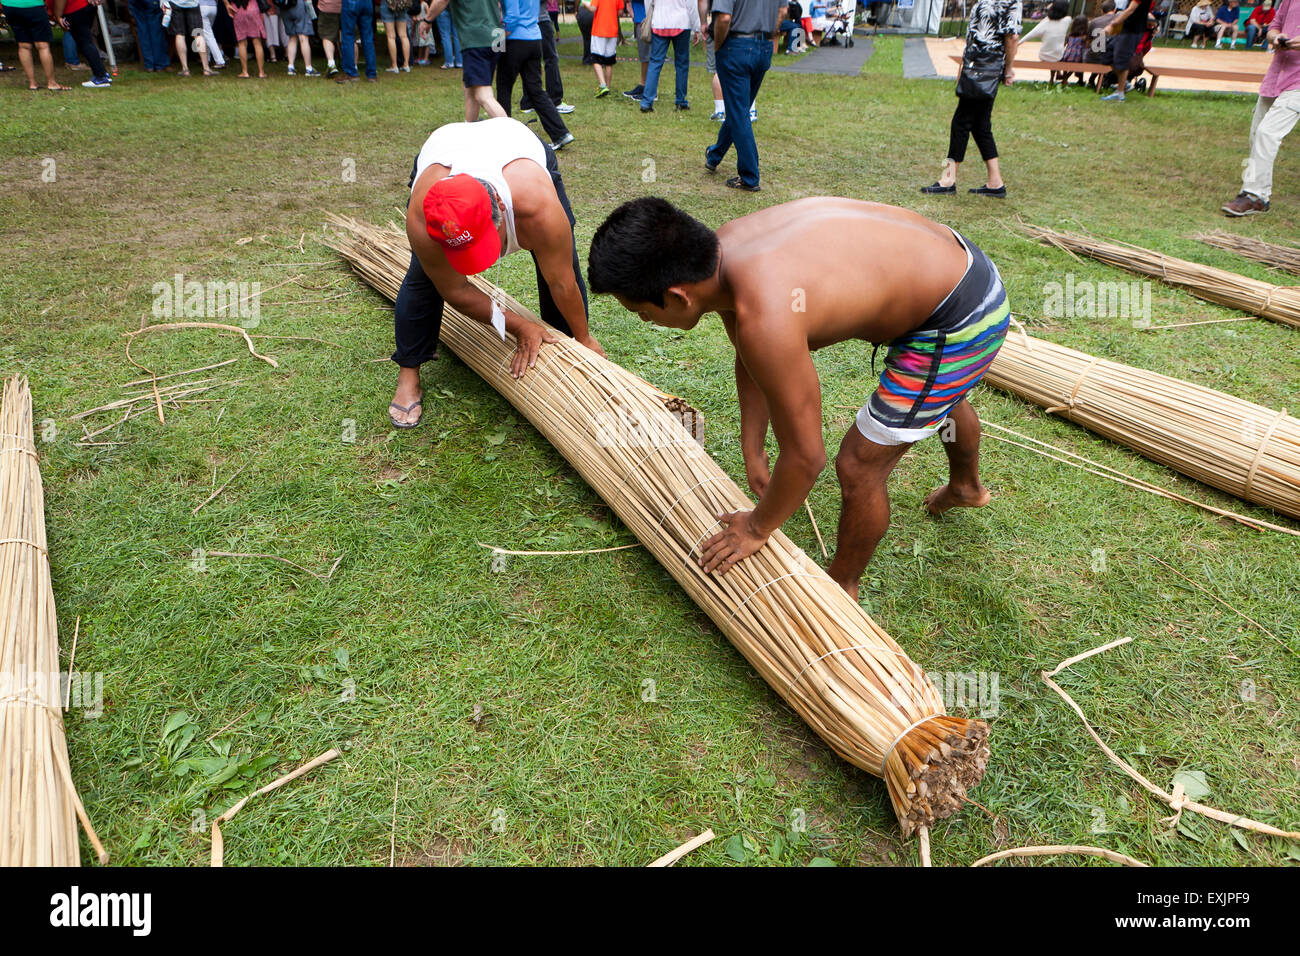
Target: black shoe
{"type": "Point", "coordinates": [999, 193]}
{"type": "Point", "coordinates": [935, 188]}
{"type": "Point", "coordinates": [682, 106]}
{"type": "Point", "coordinates": [332, 72]}
{"type": "Point", "coordinates": [635, 92]}
{"type": "Point", "coordinates": [711, 167]}
{"type": "Point", "coordinates": [735, 182]}
{"type": "Point", "coordinates": [647, 109]}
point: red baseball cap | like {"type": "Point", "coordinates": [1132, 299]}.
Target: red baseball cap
{"type": "Point", "coordinates": [458, 216]}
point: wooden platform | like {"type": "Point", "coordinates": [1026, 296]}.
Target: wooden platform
{"type": "Point", "coordinates": [1062, 66]}
{"type": "Point", "coordinates": [1173, 68]}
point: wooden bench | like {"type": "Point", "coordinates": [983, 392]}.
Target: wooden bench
{"type": "Point", "coordinates": [1061, 66]}
{"type": "Point", "coordinates": [1238, 76]}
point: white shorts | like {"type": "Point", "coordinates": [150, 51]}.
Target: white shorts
{"type": "Point", "coordinates": [604, 46]}
{"type": "Point", "coordinates": [873, 431]}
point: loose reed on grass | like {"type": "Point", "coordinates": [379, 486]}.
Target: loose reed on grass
{"type": "Point", "coordinates": [812, 643]}
{"type": "Point", "coordinates": [39, 806]}
{"type": "Point", "coordinates": [1236, 446]}
{"type": "Point", "coordinates": [1269, 253]}
{"type": "Point", "coordinates": [1277, 302]}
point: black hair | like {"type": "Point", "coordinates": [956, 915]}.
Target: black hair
{"type": "Point", "coordinates": [1059, 10]}
{"type": "Point", "coordinates": [1079, 26]}
{"type": "Point", "coordinates": [647, 245]}
{"type": "Point", "coordinates": [1107, 6]}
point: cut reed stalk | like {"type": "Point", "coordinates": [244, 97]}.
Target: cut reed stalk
{"type": "Point", "coordinates": [1236, 446]}
{"type": "Point", "coordinates": [1277, 302]}
{"type": "Point", "coordinates": [807, 638]}
{"type": "Point", "coordinates": [1286, 258]}
{"type": "Point", "coordinates": [39, 806]}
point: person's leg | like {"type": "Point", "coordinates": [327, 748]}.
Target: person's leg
{"type": "Point", "coordinates": [963, 121]}
{"type": "Point", "coordinates": [960, 437]}
{"type": "Point", "coordinates": [756, 57]}
{"type": "Point", "coordinates": [417, 318]}
{"type": "Point", "coordinates": [983, 133]}
{"type": "Point", "coordinates": [28, 64]}
{"type": "Point", "coordinates": [208, 11]}
{"type": "Point", "coordinates": [443, 21]}
{"type": "Point", "coordinates": [304, 42]}
{"type": "Point", "coordinates": [471, 105]}
{"type": "Point", "coordinates": [1271, 125]}
{"type": "Point", "coordinates": [658, 53]}
{"type": "Point", "coordinates": [863, 468]}
{"type": "Point", "coordinates": [70, 58]}
{"type": "Point", "coordinates": [291, 51]}
{"type": "Point", "coordinates": [260, 53]}
{"type": "Point", "coordinates": [82, 24]}
{"type": "Point", "coordinates": [530, 72]}
{"type": "Point", "coordinates": [366, 24]}
{"type": "Point", "coordinates": [733, 74]}
{"type": "Point", "coordinates": [182, 53]}
{"type": "Point", "coordinates": [242, 48]}
{"type": "Point", "coordinates": [348, 24]}
{"type": "Point", "coordinates": [551, 62]}
{"type": "Point", "coordinates": [507, 70]}
{"type": "Point", "coordinates": [682, 61]}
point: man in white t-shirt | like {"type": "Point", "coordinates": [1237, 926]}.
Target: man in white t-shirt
{"type": "Point", "coordinates": [479, 192]}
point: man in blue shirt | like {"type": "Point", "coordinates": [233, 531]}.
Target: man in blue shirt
{"type": "Point", "coordinates": [523, 59]}
{"type": "Point", "coordinates": [1225, 22]}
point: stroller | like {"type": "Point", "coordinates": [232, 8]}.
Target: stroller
{"type": "Point", "coordinates": [838, 23]}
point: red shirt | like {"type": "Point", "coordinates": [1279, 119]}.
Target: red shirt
{"type": "Point", "coordinates": [605, 23]}
{"type": "Point", "coordinates": [72, 7]}
{"type": "Point", "coordinates": [1261, 16]}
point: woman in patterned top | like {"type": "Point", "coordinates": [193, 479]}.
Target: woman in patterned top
{"type": "Point", "coordinates": [994, 31]}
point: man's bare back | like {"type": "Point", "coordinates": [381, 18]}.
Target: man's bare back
{"type": "Point", "coordinates": [833, 265]}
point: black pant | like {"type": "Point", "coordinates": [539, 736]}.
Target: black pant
{"type": "Point", "coordinates": [417, 314]}
{"type": "Point", "coordinates": [585, 19]}
{"type": "Point", "coordinates": [523, 58]}
{"type": "Point", "coordinates": [81, 24]}
{"type": "Point", "coordinates": [972, 118]}
{"type": "Point", "coordinates": [550, 64]}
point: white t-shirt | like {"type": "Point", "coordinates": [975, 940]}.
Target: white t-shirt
{"type": "Point", "coordinates": [483, 150]}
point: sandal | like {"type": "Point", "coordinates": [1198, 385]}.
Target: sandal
{"type": "Point", "coordinates": [59, 88]}
{"type": "Point", "coordinates": [396, 424]}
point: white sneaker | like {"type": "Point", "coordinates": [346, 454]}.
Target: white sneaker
{"type": "Point", "coordinates": [392, 69]}
{"type": "Point", "coordinates": [564, 108]}
{"type": "Point", "coordinates": [406, 69]}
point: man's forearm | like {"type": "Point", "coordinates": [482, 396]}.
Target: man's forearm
{"type": "Point", "coordinates": [721, 27]}
{"type": "Point", "coordinates": [568, 299]}
{"type": "Point", "coordinates": [753, 416]}
{"type": "Point", "coordinates": [1011, 43]}
{"type": "Point", "coordinates": [792, 479]}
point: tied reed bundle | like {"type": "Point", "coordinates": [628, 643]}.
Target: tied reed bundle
{"type": "Point", "coordinates": [39, 806]}
{"type": "Point", "coordinates": [1277, 302]}
{"type": "Point", "coordinates": [1236, 446]}
{"type": "Point", "coordinates": [808, 639]}
{"type": "Point", "coordinates": [1271, 254]}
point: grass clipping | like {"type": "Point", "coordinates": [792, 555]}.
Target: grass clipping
{"type": "Point", "coordinates": [813, 644]}
{"type": "Point", "coordinates": [1277, 302]}
{"type": "Point", "coordinates": [1236, 446]}
{"type": "Point", "coordinates": [39, 806]}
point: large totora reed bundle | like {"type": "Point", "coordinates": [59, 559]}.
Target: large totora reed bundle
{"type": "Point", "coordinates": [1236, 446]}
{"type": "Point", "coordinates": [812, 643]}
{"type": "Point", "coordinates": [1269, 253]}
{"type": "Point", "coordinates": [39, 805]}
{"type": "Point", "coordinates": [1277, 302]}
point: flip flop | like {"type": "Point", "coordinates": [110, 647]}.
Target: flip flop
{"type": "Point", "coordinates": [396, 424]}
{"type": "Point", "coordinates": [59, 88]}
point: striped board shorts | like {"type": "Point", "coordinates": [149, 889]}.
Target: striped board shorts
{"type": "Point", "coordinates": [930, 370]}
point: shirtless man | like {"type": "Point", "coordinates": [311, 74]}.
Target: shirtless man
{"type": "Point", "coordinates": [480, 191]}
{"type": "Point", "coordinates": [932, 296]}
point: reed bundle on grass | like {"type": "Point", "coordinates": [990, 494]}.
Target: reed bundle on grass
{"type": "Point", "coordinates": [812, 643]}
{"type": "Point", "coordinates": [39, 806]}
{"type": "Point", "coordinates": [1236, 446]}
{"type": "Point", "coordinates": [1277, 302]}
{"type": "Point", "coordinates": [1269, 253]}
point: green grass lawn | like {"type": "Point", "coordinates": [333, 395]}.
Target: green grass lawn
{"type": "Point", "coordinates": [508, 708]}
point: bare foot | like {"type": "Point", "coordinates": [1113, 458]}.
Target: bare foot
{"type": "Point", "coordinates": [243, 76]}
{"type": "Point", "coordinates": [946, 498]}
{"type": "Point", "coordinates": [851, 588]}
